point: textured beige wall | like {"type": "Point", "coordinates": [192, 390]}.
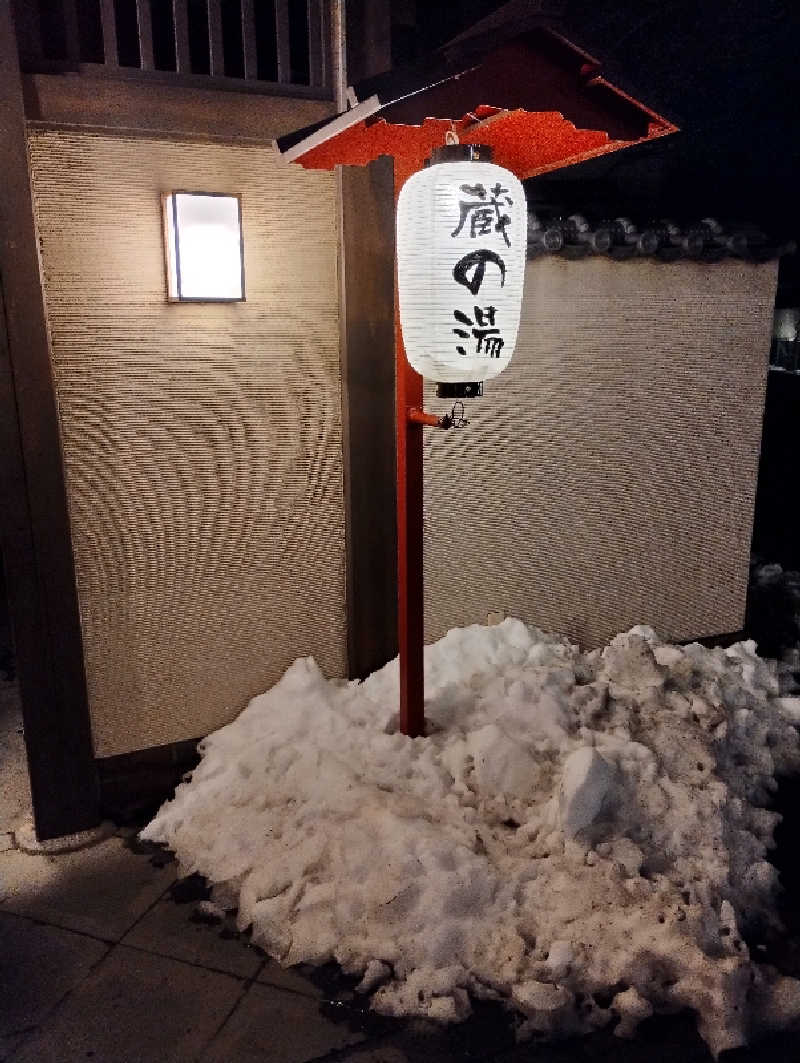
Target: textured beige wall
{"type": "Point", "coordinates": [607, 478]}
{"type": "Point", "coordinates": [202, 442]}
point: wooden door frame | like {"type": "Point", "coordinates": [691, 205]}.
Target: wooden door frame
{"type": "Point", "coordinates": [34, 519]}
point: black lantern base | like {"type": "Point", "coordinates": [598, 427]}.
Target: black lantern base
{"type": "Point", "coordinates": [460, 390]}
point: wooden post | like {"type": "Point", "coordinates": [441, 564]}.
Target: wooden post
{"type": "Point", "coordinates": [367, 332]}
{"type": "Point", "coordinates": [249, 39]}
{"type": "Point", "coordinates": [144, 25]}
{"type": "Point", "coordinates": [282, 42]}
{"type": "Point", "coordinates": [180, 22]}
{"type": "Point", "coordinates": [316, 42]}
{"type": "Point", "coordinates": [370, 357]}
{"type": "Point", "coordinates": [216, 51]}
{"type": "Point", "coordinates": [108, 20]}
{"type": "Point", "coordinates": [34, 523]}
{"type": "Point", "coordinates": [368, 411]}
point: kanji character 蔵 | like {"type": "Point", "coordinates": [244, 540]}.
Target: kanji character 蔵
{"type": "Point", "coordinates": [484, 211]}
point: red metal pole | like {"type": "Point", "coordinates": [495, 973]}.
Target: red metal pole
{"type": "Point", "coordinates": [410, 584]}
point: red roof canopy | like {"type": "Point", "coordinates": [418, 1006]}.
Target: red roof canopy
{"type": "Point", "coordinates": [539, 101]}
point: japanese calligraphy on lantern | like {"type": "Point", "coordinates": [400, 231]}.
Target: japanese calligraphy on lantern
{"type": "Point", "coordinates": [486, 334]}
{"type": "Point", "coordinates": [484, 211]}
{"type": "Point", "coordinates": [461, 240]}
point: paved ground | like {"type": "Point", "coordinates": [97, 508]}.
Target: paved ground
{"type": "Point", "coordinates": [104, 956]}
{"type": "Point", "coordinates": [15, 797]}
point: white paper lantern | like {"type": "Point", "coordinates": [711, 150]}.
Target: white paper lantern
{"type": "Point", "coordinates": [461, 244]}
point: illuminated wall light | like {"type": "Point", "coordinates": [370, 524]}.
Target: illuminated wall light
{"type": "Point", "coordinates": [204, 248]}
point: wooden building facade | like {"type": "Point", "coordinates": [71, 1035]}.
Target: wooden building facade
{"type": "Point", "coordinates": [174, 529]}
{"type": "Point", "coordinates": [194, 495]}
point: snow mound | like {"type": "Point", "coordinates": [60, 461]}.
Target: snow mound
{"type": "Point", "coordinates": [581, 836]}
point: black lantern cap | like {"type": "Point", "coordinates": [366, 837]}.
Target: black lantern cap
{"type": "Point", "coordinates": [461, 153]}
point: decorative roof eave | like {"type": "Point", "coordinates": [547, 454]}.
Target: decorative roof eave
{"type": "Point", "coordinates": [536, 83]}
{"type": "Point", "coordinates": [558, 141]}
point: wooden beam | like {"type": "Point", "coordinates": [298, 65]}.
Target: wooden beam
{"type": "Point", "coordinates": [157, 105]}
{"type": "Point", "coordinates": [368, 411]}
{"type": "Point", "coordinates": [216, 52]}
{"type": "Point", "coordinates": [144, 23]}
{"type": "Point", "coordinates": [37, 544]}
{"type": "Point", "coordinates": [282, 41]}
{"type": "Point", "coordinates": [109, 23]}
{"type": "Point", "coordinates": [180, 21]}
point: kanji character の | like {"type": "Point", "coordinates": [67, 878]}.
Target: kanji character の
{"type": "Point", "coordinates": [476, 262]}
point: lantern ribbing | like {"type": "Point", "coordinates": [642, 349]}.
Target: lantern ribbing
{"type": "Point", "coordinates": [461, 241]}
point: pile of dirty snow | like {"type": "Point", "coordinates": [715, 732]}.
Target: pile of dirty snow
{"type": "Point", "coordinates": [582, 836]}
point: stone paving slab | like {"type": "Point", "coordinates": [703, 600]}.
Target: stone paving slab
{"type": "Point", "coordinates": [664, 1039]}
{"type": "Point", "coordinates": [178, 931]}
{"type": "Point", "coordinates": [136, 1008]}
{"type": "Point", "coordinates": [290, 978]}
{"type": "Point", "coordinates": [273, 1026]}
{"type": "Point", "coordinates": [9, 1045]}
{"type": "Point", "coordinates": [38, 966]}
{"type": "Point", "coordinates": [101, 891]}
{"type": "Point", "coordinates": [378, 1054]}
{"type": "Point", "coordinates": [488, 1032]}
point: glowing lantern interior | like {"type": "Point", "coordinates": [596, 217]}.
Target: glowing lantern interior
{"type": "Point", "coordinates": [461, 240]}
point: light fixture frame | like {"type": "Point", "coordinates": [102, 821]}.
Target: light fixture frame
{"type": "Point", "coordinates": [169, 207]}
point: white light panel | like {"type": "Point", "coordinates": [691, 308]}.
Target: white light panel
{"type": "Point", "coordinates": [205, 260]}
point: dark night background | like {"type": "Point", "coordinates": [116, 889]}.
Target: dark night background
{"type": "Point", "coordinates": [726, 71]}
